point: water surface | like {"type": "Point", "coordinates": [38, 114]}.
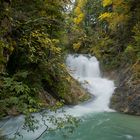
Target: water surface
{"type": "Point", "coordinates": [98, 121]}
{"type": "Point", "coordinates": [101, 126]}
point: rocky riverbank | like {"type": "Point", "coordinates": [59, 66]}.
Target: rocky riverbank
{"type": "Point", "coordinates": [126, 98]}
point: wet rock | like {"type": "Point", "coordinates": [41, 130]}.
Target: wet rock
{"type": "Point", "coordinates": [76, 94]}
{"type": "Point", "coordinates": [126, 97]}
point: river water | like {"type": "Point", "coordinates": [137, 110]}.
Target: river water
{"type": "Point", "coordinates": [98, 121]}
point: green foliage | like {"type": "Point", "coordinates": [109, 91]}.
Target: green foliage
{"type": "Point", "coordinates": [123, 31]}
{"type": "Point", "coordinates": [17, 97]}
{"type": "Point", "coordinates": [82, 36]}
{"type": "Point", "coordinates": [112, 30]}
{"type": "Point", "coordinates": [133, 49]}
{"type": "Point", "coordinates": [31, 53]}
{"type": "Point", "coordinates": [32, 70]}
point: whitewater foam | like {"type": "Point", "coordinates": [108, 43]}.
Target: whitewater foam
{"type": "Point", "coordinates": [86, 70]}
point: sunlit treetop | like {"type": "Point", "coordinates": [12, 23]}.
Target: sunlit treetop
{"type": "Point", "coordinates": [78, 11]}
{"type": "Point", "coordinates": [119, 13]}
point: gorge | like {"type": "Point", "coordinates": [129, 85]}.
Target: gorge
{"type": "Point", "coordinates": [103, 123]}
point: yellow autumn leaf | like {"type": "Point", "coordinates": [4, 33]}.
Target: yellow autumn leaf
{"type": "Point", "coordinates": [105, 16]}
{"type": "Point", "coordinates": [107, 3]}
{"type": "Point", "coordinates": [68, 78]}
{"type": "Point", "coordinates": [76, 46]}
{"type": "Point", "coordinates": [78, 11]}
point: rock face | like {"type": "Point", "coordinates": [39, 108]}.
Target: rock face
{"type": "Point", "coordinates": [126, 98]}
{"type": "Point", "coordinates": [76, 94]}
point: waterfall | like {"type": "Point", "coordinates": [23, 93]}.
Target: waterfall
{"type": "Point", "coordinates": [86, 70]}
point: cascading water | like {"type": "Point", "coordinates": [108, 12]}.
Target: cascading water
{"type": "Point", "coordinates": [86, 70]}
{"type": "Point", "coordinates": [104, 125]}
{"type": "Point", "coordinates": [100, 123]}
